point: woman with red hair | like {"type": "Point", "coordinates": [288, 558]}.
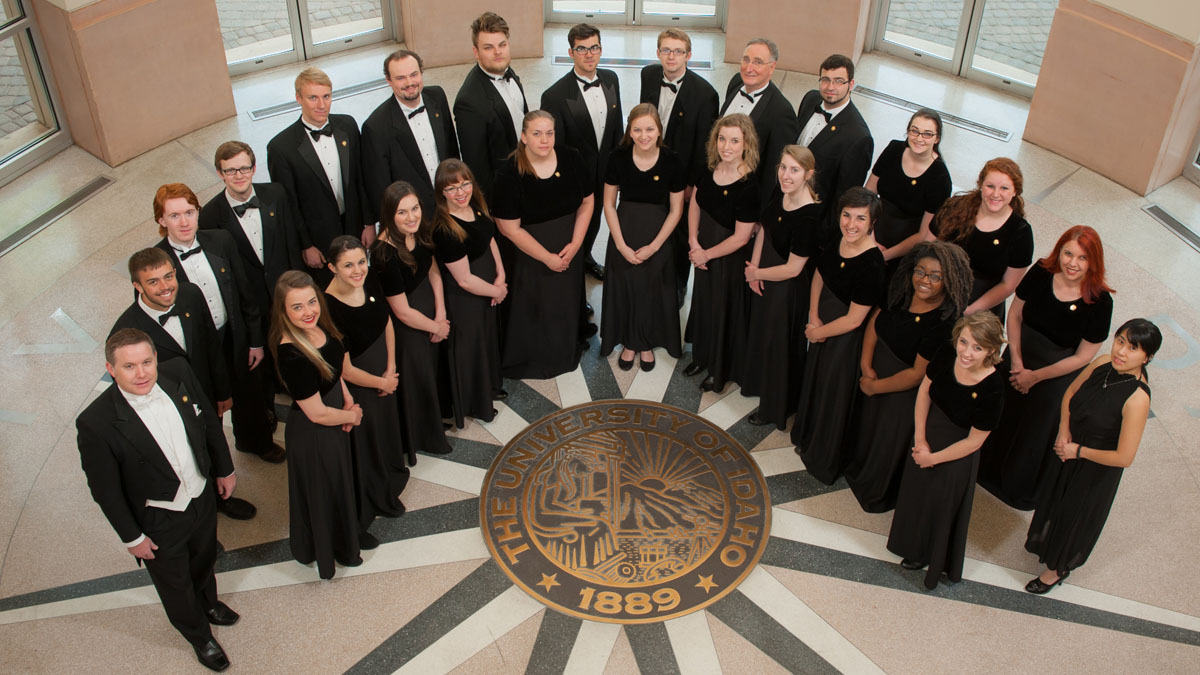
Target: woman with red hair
{"type": "Point", "coordinates": [1056, 324]}
{"type": "Point", "coordinates": [989, 223]}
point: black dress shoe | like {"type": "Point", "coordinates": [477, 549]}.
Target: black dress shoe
{"type": "Point", "coordinates": [587, 330]}
{"type": "Point", "coordinates": [447, 426]}
{"type": "Point", "coordinates": [211, 656]}
{"type": "Point", "coordinates": [500, 395]}
{"type": "Point", "coordinates": [238, 509]}
{"type": "Point", "coordinates": [221, 615]}
{"type": "Point", "coordinates": [647, 366]}
{"type": "Point", "coordinates": [587, 309]}
{"type": "Point", "coordinates": [1039, 587]}
{"type": "Point", "coordinates": [275, 455]}
{"type": "Point", "coordinates": [367, 541]}
{"type": "Point", "coordinates": [756, 420]}
{"type": "Point", "coordinates": [623, 364]}
{"type": "Point", "coordinates": [692, 369]}
{"type": "Point", "coordinates": [707, 384]}
{"type": "Point", "coordinates": [911, 564]}
{"type": "Point", "coordinates": [593, 268]}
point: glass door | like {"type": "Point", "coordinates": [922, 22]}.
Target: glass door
{"type": "Point", "coordinates": [999, 42]}
{"type": "Point", "coordinates": [30, 129]}
{"type": "Point", "coordinates": [265, 33]}
{"type": "Point", "coordinates": [684, 13]}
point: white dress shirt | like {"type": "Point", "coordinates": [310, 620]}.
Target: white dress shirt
{"type": "Point", "coordinates": [743, 105]}
{"type": "Point", "coordinates": [327, 152]}
{"type": "Point", "coordinates": [251, 222]}
{"type": "Point", "coordinates": [817, 122]}
{"type": "Point", "coordinates": [200, 272]}
{"type": "Point", "coordinates": [422, 130]}
{"type": "Point", "coordinates": [666, 99]}
{"type": "Point", "coordinates": [158, 412]}
{"type": "Point", "coordinates": [596, 104]}
{"type": "Point", "coordinates": [173, 326]}
{"type": "Point", "coordinates": [514, 99]}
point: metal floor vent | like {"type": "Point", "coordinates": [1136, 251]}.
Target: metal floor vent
{"type": "Point", "coordinates": [292, 106]}
{"type": "Point", "coordinates": [1173, 224]}
{"type": "Point", "coordinates": [47, 217]}
{"type": "Point", "coordinates": [617, 62]}
{"type": "Point", "coordinates": [948, 118]}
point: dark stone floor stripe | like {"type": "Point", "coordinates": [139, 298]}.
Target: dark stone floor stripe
{"type": "Point", "coordinates": [753, 623]}
{"type": "Point", "coordinates": [458, 515]}
{"type": "Point", "coordinates": [472, 453]}
{"type": "Point", "coordinates": [748, 434]}
{"type": "Point", "coordinates": [452, 608]}
{"type": "Point", "coordinates": [684, 392]}
{"type": "Point", "coordinates": [793, 485]}
{"type": "Point", "coordinates": [803, 557]}
{"type": "Point", "coordinates": [652, 648]}
{"type": "Point", "coordinates": [527, 402]}
{"type": "Point", "coordinates": [601, 382]}
{"type": "Point", "coordinates": [555, 640]}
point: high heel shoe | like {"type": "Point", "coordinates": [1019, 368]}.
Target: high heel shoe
{"type": "Point", "coordinates": [1039, 587]}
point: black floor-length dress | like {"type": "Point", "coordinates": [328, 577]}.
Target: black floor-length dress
{"type": "Point", "coordinates": [933, 509]}
{"type": "Point", "coordinates": [776, 346]}
{"type": "Point", "coordinates": [639, 300]}
{"type": "Point", "coordinates": [1072, 510]}
{"type": "Point", "coordinates": [1013, 461]}
{"type": "Point", "coordinates": [323, 521]}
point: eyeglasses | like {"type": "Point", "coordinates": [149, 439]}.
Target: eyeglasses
{"type": "Point", "coordinates": [238, 170]}
{"type": "Point", "coordinates": [461, 187]}
{"type": "Point", "coordinates": [839, 81]}
{"type": "Point", "coordinates": [935, 277]}
{"type": "Point", "coordinates": [927, 135]}
{"type": "Point", "coordinates": [581, 50]}
{"type": "Point", "coordinates": [757, 63]}
{"type": "Point", "coordinates": [673, 52]}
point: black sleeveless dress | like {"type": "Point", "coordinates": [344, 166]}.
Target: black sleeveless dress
{"type": "Point", "coordinates": [1072, 509]}
{"type": "Point", "coordinates": [992, 253]}
{"type": "Point", "coordinates": [323, 520]}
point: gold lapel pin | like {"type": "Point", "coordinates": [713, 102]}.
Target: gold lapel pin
{"type": "Point", "coordinates": [1072, 307]}
{"type": "Point", "coordinates": [187, 315]}
{"type": "Point", "coordinates": [780, 219]}
{"type": "Point", "coordinates": [725, 192]}
{"type": "Point", "coordinates": [917, 320]}
{"type": "Point", "coordinates": [437, 114]}
{"type": "Point", "coordinates": [272, 213]}
{"type": "Point", "coordinates": [914, 182]}
{"type": "Point", "coordinates": [185, 398]}
{"type": "Point", "coordinates": [681, 113]}
{"type": "Point", "coordinates": [222, 270]}
{"type": "Point", "coordinates": [557, 174]}
{"type": "Point", "coordinates": [974, 395]}
{"type": "Point", "coordinates": [343, 143]}
{"type": "Point", "coordinates": [371, 298]}
{"type": "Point", "coordinates": [843, 264]}
{"type": "Point", "coordinates": [833, 128]}
{"type": "Point", "coordinates": [996, 242]}
{"type": "Point", "coordinates": [656, 178]}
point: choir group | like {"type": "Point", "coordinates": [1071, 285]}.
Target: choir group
{"type": "Point", "coordinates": [369, 281]}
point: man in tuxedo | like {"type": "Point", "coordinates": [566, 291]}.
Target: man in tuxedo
{"type": "Point", "coordinates": [490, 105]}
{"type": "Point", "coordinates": [586, 104]}
{"type": "Point", "coordinates": [176, 317]}
{"type": "Point", "coordinates": [752, 93]}
{"type": "Point", "coordinates": [316, 160]}
{"type": "Point", "coordinates": [147, 445]}
{"type": "Point", "coordinates": [687, 105]}
{"type": "Point", "coordinates": [210, 260]}
{"type": "Point", "coordinates": [837, 134]}
{"type": "Point", "coordinates": [408, 135]}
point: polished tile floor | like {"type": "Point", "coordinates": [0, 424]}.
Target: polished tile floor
{"type": "Point", "coordinates": [825, 597]}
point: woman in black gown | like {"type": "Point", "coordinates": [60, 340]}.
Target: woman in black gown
{"type": "Point", "coordinates": [912, 182]}
{"type": "Point", "coordinates": [543, 201]}
{"type": "Point", "coordinates": [323, 522]}
{"type": "Point", "coordinates": [358, 309]}
{"type": "Point", "coordinates": [847, 284]}
{"type": "Point", "coordinates": [1056, 324]}
{"type": "Point", "coordinates": [402, 256]}
{"type": "Point", "coordinates": [639, 268]}
{"type": "Point", "coordinates": [721, 219]}
{"type": "Point", "coordinates": [927, 296]}
{"type": "Point", "coordinates": [779, 279]}
{"type": "Point", "coordinates": [989, 223]}
{"type": "Point", "coordinates": [473, 278]}
{"type": "Point", "coordinates": [1103, 415]}
{"type": "Point", "coordinates": [957, 406]}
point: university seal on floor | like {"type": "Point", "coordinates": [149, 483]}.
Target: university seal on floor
{"type": "Point", "coordinates": [625, 511]}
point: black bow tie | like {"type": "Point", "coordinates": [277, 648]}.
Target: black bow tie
{"type": "Point", "coordinates": [749, 97]}
{"type": "Point", "coordinates": [326, 130]}
{"type": "Point", "coordinates": [588, 85]}
{"type": "Point", "coordinates": [240, 209]}
{"type": "Point", "coordinates": [416, 112]}
{"type": "Point", "coordinates": [508, 75]}
{"type": "Point", "coordinates": [674, 89]}
{"type": "Point", "coordinates": [823, 113]}
{"type": "Point", "coordinates": [174, 311]}
{"type": "Point", "coordinates": [184, 255]}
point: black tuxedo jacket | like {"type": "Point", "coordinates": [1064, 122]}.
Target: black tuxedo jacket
{"type": "Point", "coordinates": [123, 463]}
{"type": "Point", "coordinates": [692, 117]}
{"type": "Point", "coordinates": [293, 163]}
{"type": "Point", "coordinates": [775, 123]}
{"type": "Point", "coordinates": [573, 125]}
{"type": "Point", "coordinates": [243, 318]}
{"type": "Point", "coordinates": [390, 151]}
{"type": "Point", "coordinates": [281, 248]}
{"type": "Point", "coordinates": [203, 355]}
{"type": "Point", "coordinates": [843, 149]}
{"type": "Point", "coordinates": [485, 127]}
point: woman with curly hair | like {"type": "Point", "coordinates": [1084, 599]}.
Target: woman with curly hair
{"type": "Point", "coordinates": [989, 223]}
{"type": "Point", "coordinates": [927, 296]}
{"type": "Point", "coordinates": [1056, 324]}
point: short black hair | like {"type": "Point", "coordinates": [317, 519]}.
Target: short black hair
{"type": "Point", "coordinates": [858, 197]}
{"type": "Point", "coordinates": [580, 32]}
{"type": "Point", "coordinates": [342, 244]}
{"type": "Point", "coordinates": [1143, 334]}
{"type": "Point", "coordinates": [835, 61]}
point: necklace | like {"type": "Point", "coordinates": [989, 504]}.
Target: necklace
{"type": "Point", "coordinates": [1112, 370]}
